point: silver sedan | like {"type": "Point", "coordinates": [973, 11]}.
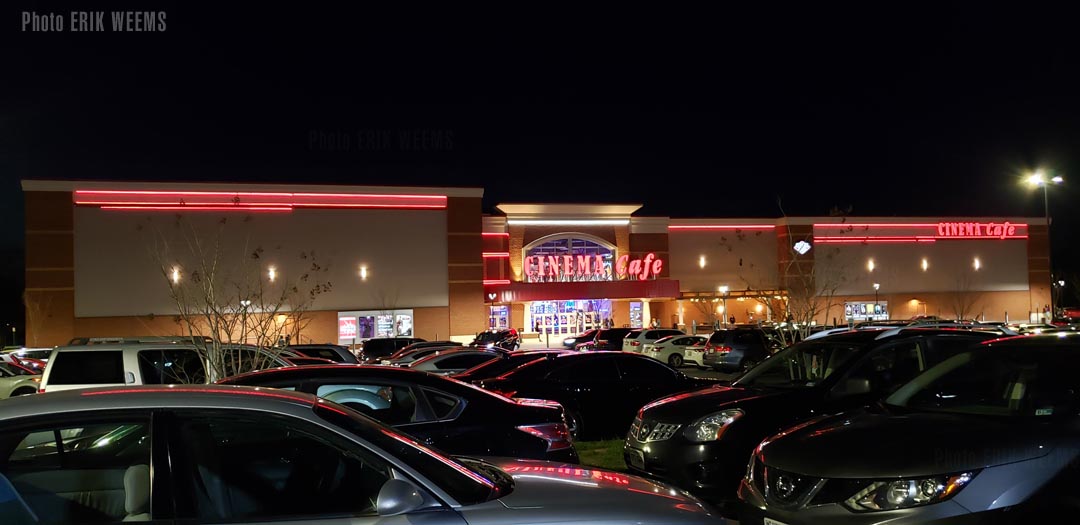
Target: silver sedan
{"type": "Point", "coordinates": [210, 453]}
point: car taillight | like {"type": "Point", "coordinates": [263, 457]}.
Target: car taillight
{"type": "Point", "coordinates": [41, 390]}
{"type": "Point", "coordinates": [723, 349]}
{"type": "Point", "coordinates": [635, 343]}
{"type": "Point", "coordinates": [556, 435]}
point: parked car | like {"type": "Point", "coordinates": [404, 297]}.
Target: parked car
{"type": "Point", "coordinates": [424, 344]}
{"type": "Point", "coordinates": [505, 363]}
{"type": "Point", "coordinates": [337, 353]}
{"type": "Point", "coordinates": [677, 350]}
{"type": "Point", "coordinates": [453, 361]}
{"type": "Point", "coordinates": [505, 338]}
{"type": "Point", "coordinates": [41, 354]}
{"type": "Point", "coordinates": [635, 340]}
{"type": "Point", "coordinates": [995, 442]}
{"type": "Point", "coordinates": [85, 366]}
{"type": "Point", "coordinates": [703, 440]}
{"type": "Point", "coordinates": [573, 341]}
{"type": "Point", "coordinates": [16, 380]}
{"type": "Point", "coordinates": [455, 417]}
{"type": "Point", "coordinates": [601, 391]}
{"type": "Point", "coordinates": [408, 357]}
{"type": "Point", "coordinates": [737, 349]}
{"type": "Point", "coordinates": [378, 348]}
{"type": "Point", "coordinates": [606, 339]}
{"type": "Point", "coordinates": [228, 454]}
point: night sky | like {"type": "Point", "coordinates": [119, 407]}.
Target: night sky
{"type": "Point", "coordinates": [712, 114]}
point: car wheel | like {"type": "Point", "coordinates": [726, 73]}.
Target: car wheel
{"type": "Point", "coordinates": [747, 364]}
{"type": "Point", "coordinates": [23, 392]}
{"type": "Point", "coordinates": [675, 360]}
{"type": "Point", "coordinates": [573, 423]}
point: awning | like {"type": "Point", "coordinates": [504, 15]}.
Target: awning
{"type": "Point", "coordinates": [520, 292]}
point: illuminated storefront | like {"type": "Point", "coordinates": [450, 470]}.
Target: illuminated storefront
{"type": "Point", "coordinates": [439, 268]}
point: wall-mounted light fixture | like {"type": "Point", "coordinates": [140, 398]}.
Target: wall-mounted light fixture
{"type": "Point", "coordinates": [925, 264]}
{"type": "Point", "coordinates": [977, 264]}
{"type": "Point", "coordinates": [272, 274]}
{"type": "Point", "coordinates": [175, 274]}
{"type": "Point", "coordinates": [870, 265]}
{"type": "Point", "coordinates": [363, 272]}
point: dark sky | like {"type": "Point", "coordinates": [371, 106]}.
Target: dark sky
{"type": "Point", "coordinates": [715, 113]}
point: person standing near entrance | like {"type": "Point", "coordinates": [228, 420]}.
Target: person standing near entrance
{"type": "Point", "coordinates": [654, 323]}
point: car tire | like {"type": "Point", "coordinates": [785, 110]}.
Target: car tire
{"type": "Point", "coordinates": [573, 423]}
{"type": "Point", "coordinates": [747, 364]}
{"type": "Point", "coordinates": [675, 360]}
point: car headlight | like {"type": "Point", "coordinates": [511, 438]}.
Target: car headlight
{"type": "Point", "coordinates": [907, 493]}
{"type": "Point", "coordinates": [568, 341]}
{"type": "Point", "coordinates": [711, 427]}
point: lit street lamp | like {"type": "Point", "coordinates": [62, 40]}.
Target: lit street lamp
{"type": "Point", "coordinates": [1039, 179]}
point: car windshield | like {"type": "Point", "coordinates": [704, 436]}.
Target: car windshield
{"type": "Point", "coordinates": [12, 370]}
{"type": "Point", "coordinates": [802, 365]}
{"type": "Point", "coordinates": [1014, 382]}
{"type": "Point", "coordinates": [468, 485]}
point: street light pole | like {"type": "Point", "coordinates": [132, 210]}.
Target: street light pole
{"type": "Point", "coordinates": [1037, 179]}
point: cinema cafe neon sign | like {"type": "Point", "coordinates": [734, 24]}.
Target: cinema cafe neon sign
{"type": "Point", "coordinates": [976, 230]}
{"type": "Point", "coordinates": [582, 267]}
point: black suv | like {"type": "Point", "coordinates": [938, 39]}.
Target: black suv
{"type": "Point", "coordinates": [606, 339]}
{"type": "Point", "coordinates": [380, 347]}
{"type": "Point", "coordinates": [739, 348]}
{"type": "Point", "coordinates": [506, 338]}
{"type": "Point", "coordinates": [702, 441]}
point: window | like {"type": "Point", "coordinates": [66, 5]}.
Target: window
{"type": "Point", "coordinates": [587, 371]}
{"type": "Point", "coordinates": [633, 334]}
{"type": "Point", "coordinates": [441, 403]}
{"type": "Point", "coordinates": [390, 404]}
{"type": "Point", "coordinates": [747, 338]}
{"type": "Point", "coordinates": [76, 473]}
{"type": "Point", "coordinates": [163, 367]}
{"type": "Point", "coordinates": [240, 468]}
{"type": "Point", "coordinates": [642, 370]}
{"type": "Point", "coordinates": [888, 368]}
{"type": "Point", "coordinates": [719, 337]}
{"type": "Point", "coordinates": [682, 341]}
{"type": "Point", "coordinates": [87, 368]}
{"type": "Point", "coordinates": [802, 365]}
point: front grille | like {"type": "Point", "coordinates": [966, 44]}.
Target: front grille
{"type": "Point", "coordinates": [787, 489]}
{"type": "Point", "coordinates": [645, 431]}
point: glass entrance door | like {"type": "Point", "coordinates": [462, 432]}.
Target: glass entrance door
{"type": "Point", "coordinates": [568, 317]}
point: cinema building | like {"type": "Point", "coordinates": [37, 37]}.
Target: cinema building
{"type": "Point", "coordinates": [427, 262]}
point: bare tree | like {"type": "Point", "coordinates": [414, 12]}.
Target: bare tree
{"type": "Point", "coordinates": [238, 311]}
{"type": "Point", "coordinates": [809, 284]}
{"type": "Point", "coordinates": [36, 312]}
{"type": "Point", "coordinates": [965, 299]}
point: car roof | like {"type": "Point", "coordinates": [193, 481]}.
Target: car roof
{"type": "Point", "coordinates": [312, 371]}
{"type": "Point", "coordinates": [1065, 341]}
{"type": "Point", "coordinates": [155, 396]}
{"type": "Point", "coordinates": [122, 346]}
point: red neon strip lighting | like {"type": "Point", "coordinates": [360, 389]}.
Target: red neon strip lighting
{"type": "Point", "coordinates": [876, 225]}
{"type": "Point", "coordinates": [257, 194]}
{"type": "Point", "coordinates": [197, 208]}
{"type": "Point", "coordinates": [496, 281]}
{"type": "Point", "coordinates": [495, 234]}
{"type": "Point", "coordinates": [907, 239]}
{"type": "Point", "coordinates": [495, 255]}
{"type": "Point", "coordinates": [177, 200]}
{"type": "Point", "coordinates": [706, 227]}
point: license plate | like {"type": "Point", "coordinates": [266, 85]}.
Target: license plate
{"type": "Point", "coordinates": [637, 459]}
{"type": "Point", "coordinates": [770, 521]}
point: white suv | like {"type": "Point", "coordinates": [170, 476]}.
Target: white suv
{"type": "Point", "coordinates": [85, 366]}
{"type": "Point", "coordinates": [636, 339]}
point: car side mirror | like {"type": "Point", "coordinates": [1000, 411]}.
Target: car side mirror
{"type": "Point", "coordinates": [398, 496]}
{"type": "Point", "coordinates": [852, 387]}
